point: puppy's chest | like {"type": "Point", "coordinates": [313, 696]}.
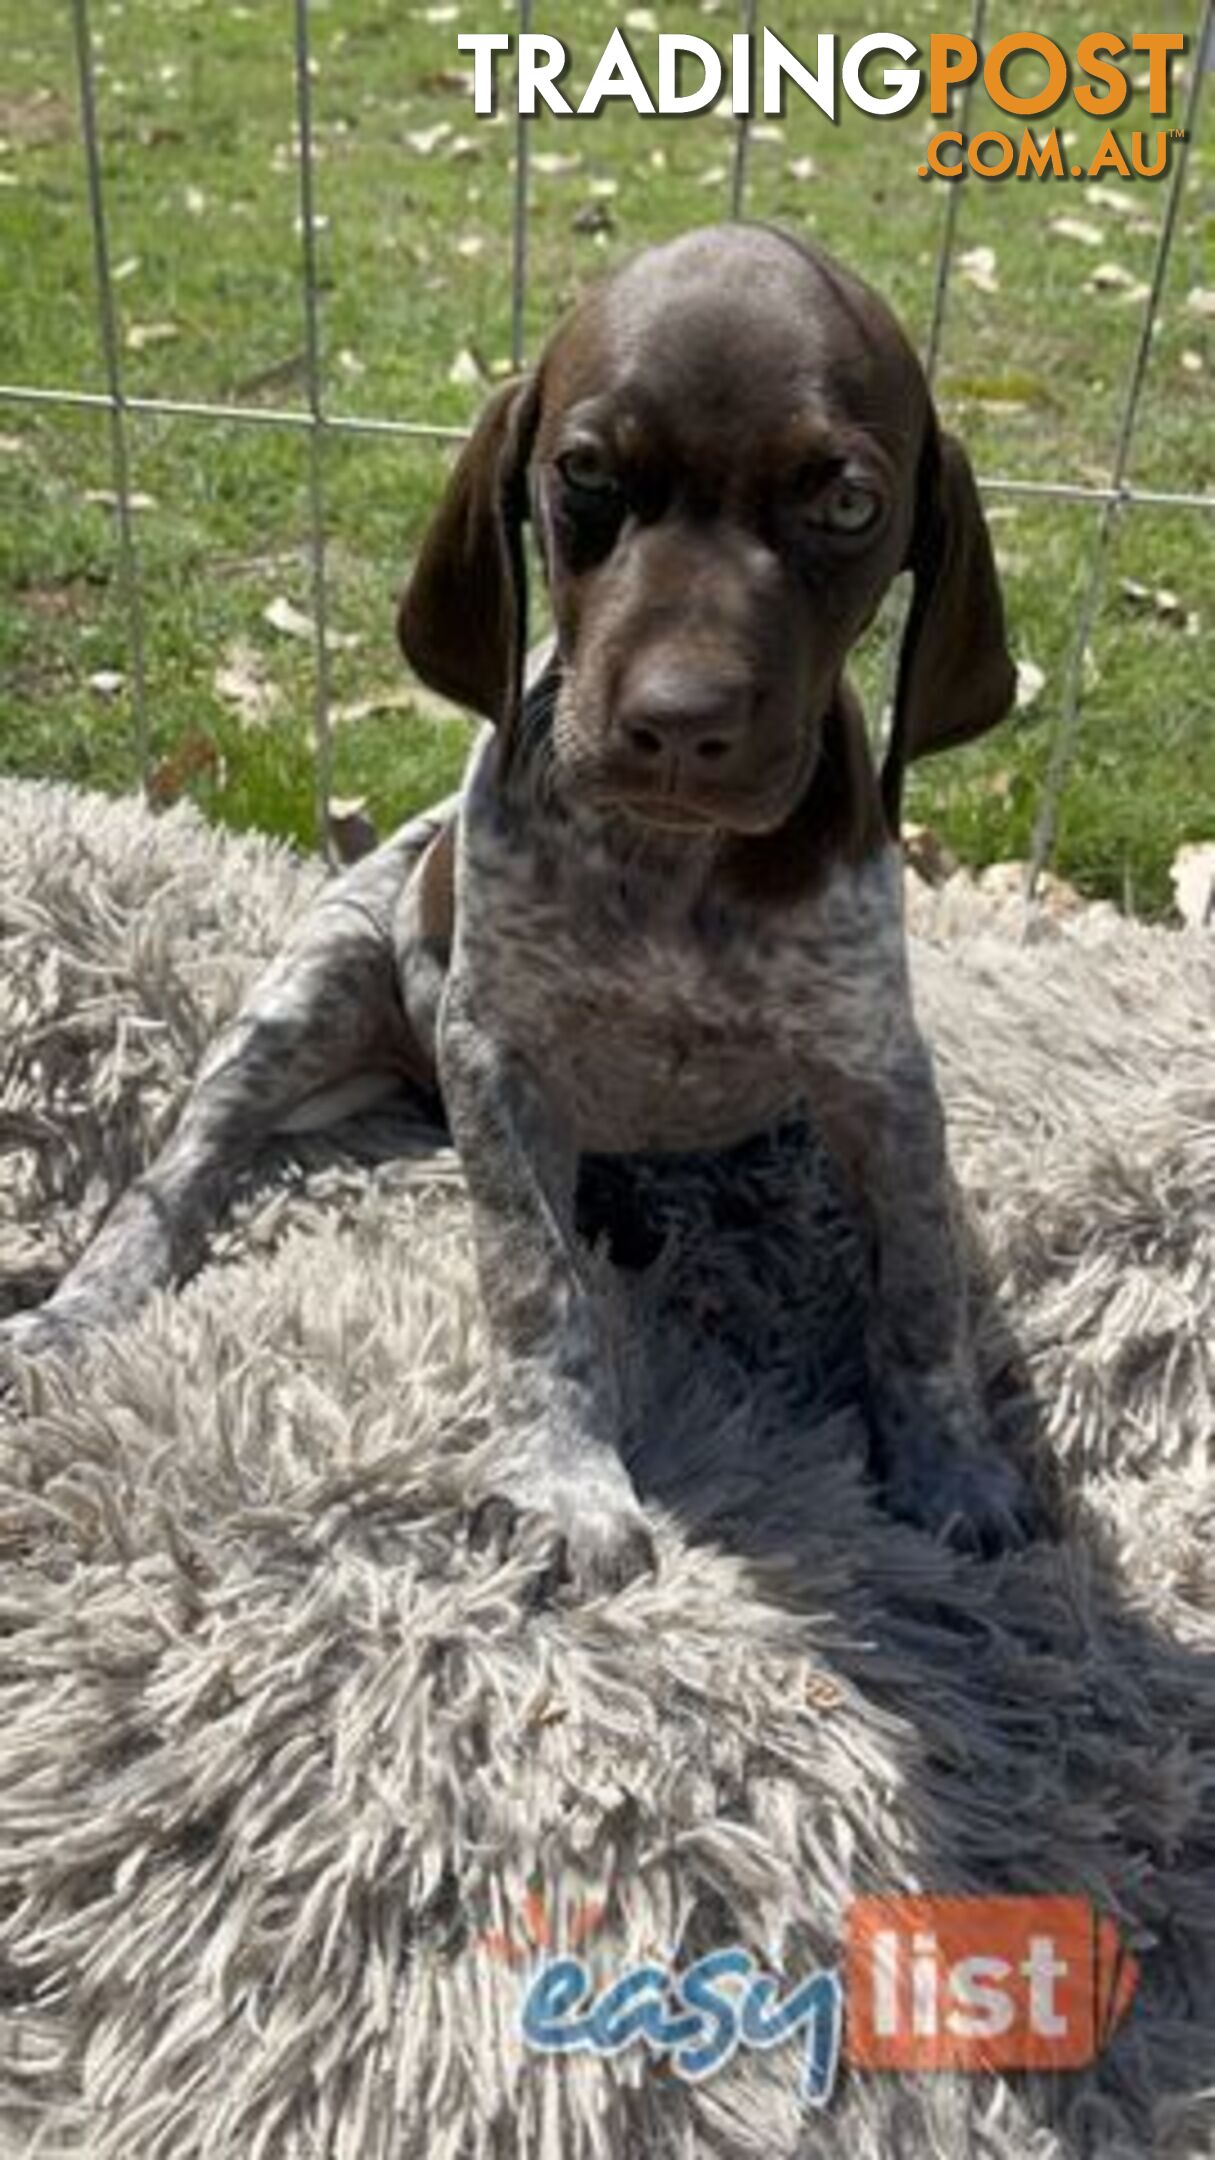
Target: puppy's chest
{"type": "Point", "coordinates": [660, 1020]}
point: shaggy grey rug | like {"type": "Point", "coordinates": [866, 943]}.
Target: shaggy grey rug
{"type": "Point", "coordinates": [286, 1771]}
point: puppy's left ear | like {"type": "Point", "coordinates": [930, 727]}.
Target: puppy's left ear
{"type": "Point", "coordinates": [956, 677]}
{"type": "Point", "coordinates": [462, 621]}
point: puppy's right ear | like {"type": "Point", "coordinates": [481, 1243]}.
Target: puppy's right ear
{"type": "Point", "coordinates": [956, 676]}
{"type": "Point", "coordinates": [462, 621]}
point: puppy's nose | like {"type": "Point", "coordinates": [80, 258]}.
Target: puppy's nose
{"type": "Point", "coordinates": [670, 715]}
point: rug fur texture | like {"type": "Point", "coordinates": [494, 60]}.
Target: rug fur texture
{"type": "Point", "coordinates": [286, 1769]}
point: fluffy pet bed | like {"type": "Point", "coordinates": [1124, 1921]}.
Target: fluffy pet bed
{"type": "Point", "coordinates": [285, 1770]}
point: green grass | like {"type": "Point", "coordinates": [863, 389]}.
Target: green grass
{"type": "Point", "coordinates": [197, 112]}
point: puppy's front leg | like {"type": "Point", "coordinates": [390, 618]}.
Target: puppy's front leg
{"type": "Point", "coordinates": [322, 1032]}
{"type": "Point", "coordinates": [553, 1380]}
{"type": "Point", "coordinates": [886, 1128]}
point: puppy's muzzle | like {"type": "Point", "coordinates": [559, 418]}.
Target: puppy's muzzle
{"type": "Point", "coordinates": [682, 735]}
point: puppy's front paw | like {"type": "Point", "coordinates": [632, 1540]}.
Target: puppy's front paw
{"type": "Point", "coordinates": [588, 1529]}
{"type": "Point", "coordinates": [25, 1338]}
{"type": "Point", "coordinates": [935, 1473]}
{"type": "Point", "coordinates": [974, 1498]}
{"type": "Point", "coordinates": [41, 1331]}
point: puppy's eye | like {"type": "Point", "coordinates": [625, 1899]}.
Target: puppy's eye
{"type": "Point", "coordinates": [586, 473]}
{"type": "Point", "coordinates": [846, 506]}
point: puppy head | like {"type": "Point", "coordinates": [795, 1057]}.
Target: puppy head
{"type": "Point", "coordinates": [728, 451]}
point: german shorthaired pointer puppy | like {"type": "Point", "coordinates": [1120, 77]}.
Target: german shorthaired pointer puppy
{"type": "Point", "coordinates": [664, 910]}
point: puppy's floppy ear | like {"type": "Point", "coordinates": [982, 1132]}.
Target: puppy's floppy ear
{"type": "Point", "coordinates": [462, 622]}
{"type": "Point", "coordinates": [956, 678]}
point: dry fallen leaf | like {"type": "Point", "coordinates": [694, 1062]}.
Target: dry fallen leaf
{"type": "Point", "coordinates": [1110, 277]}
{"type": "Point", "coordinates": [408, 697]}
{"type": "Point", "coordinates": [284, 616]}
{"type": "Point", "coordinates": [997, 784]}
{"type": "Point", "coordinates": [350, 829]}
{"type": "Point", "coordinates": [925, 852]}
{"type": "Point", "coordinates": [1157, 600]}
{"type": "Point", "coordinates": [1074, 228]}
{"type": "Point", "coordinates": [821, 1692]}
{"type": "Point", "coordinates": [279, 375]}
{"type": "Point", "coordinates": [355, 709]}
{"type": "Point", "coordinates": [467, 370]}
{"type": "Point", "coordinates": [108, 500]}
{"type": "Point", "coordinates": [556, 164]}
{"type": "Point", "coordinates": [1031, 682]}
{"type": "Point", "coordinates": [141, 335]}
{"type": "Point", "coordinates": [457, 81]}
{"type": "Point", "coordinates": [1008, 880]}
{"type": "Point", "coordinates": [1192, 873]}
{"type": "Point", "coordinates": [242, 682]}
{"type": "Point", "coordinates": [196, 756]}
{"type": "Point", "coordinates": [290, 621]}
{"type": "Point", "coordinates": [425, 141]}
{"type": "Point", "coordinates": [977, 265]}
{"type": "Point", "coordinates": [594, 217]}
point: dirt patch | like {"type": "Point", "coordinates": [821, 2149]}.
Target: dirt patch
{"type": "Point", "coordinates": [63, 600]}
{"type": "Point", "coordinates": [44, 116]}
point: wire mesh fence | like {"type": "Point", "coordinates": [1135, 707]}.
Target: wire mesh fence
{"type": "Point", "coordinates": [318, 419]}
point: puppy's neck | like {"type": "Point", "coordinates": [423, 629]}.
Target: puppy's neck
{"type": "Point", "coordinates": [678, 859]}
